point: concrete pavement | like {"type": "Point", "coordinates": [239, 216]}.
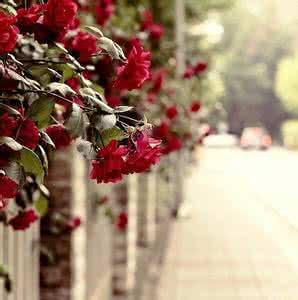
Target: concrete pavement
{"type": "Point", "coordinates": [241, 241]}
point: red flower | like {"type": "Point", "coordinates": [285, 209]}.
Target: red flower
{"type": "Point", "coordinates": [74, 83]}
{"type": "Point", "coordinates": [113, 101]}
{"type": "Point", "coordinates": [7, 125]}
{"type": "Point", "coordinates": [158, 79]}
{"type": "Point", "coordinates": [28, 134]}
{"type": "Point", "coordinates": [85, 45]}
{"type": "Point", "coordinates": [200, 67]}
{"type": "Point", "coordinates": [195, 106]}
{"type": "Point", "coordinates": [136, 71]}
{"type": "Point", "coordinates": [189, 72]}
{"type": "Point", "coordinates": [73, 224]}
{"type": "Point", "coordinates": [173, 144]}
{"type": "Point", "coordinates": [60, 14]}
{"type": "Point", "coordinates": [147, 20]}
{"type": "Point", "coordinates": [104, 10]}
{"type": "Point", "coordinates": [122, 221]}
{"type": "Point", "coordinates": [155, 30]}
{"type": "Point", "coordinates": [8, 33]}
{"type": "Point", "coordinates": [103, 200]}
{"type": "Point", "coordinates": [28, 20]}
{"type": "Point", "coordinates": [147, 152]}
{"type": "Point", "coordinates": [151, 98]}
{"type": "Point", "coordinates": [59, 135]}
{"type": "Point", "coordinates": [5, 153]}
{"type": "Point", "coordinates": [162, 131]}
{"type": "Point", "coordinates": [172, 112]}
{"type": "Point", "coordinates": [23, 220]}
{"type": "Point", "coordinates": [109, 165]}
{"type": "Point", "coordinates": [8, 189]}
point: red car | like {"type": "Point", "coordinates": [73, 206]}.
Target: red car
{"type": "Point", "coordinates": [255, 138]}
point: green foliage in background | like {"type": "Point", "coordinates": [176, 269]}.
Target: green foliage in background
{"type": "Point", "coordinates": [287, 83]}
{"type": "Point", "coordinates": [254, 42]}
{"type": "Point", "coordinates": [290, 134]}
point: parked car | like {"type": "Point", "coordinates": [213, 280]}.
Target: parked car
{"type": "Point", "coordinates": [255, 138]}
{"type": "Point", "coordinates": [220, 140]}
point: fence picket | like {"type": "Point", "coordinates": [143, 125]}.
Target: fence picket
{"type": "Point", "coordinates": [19, 253]}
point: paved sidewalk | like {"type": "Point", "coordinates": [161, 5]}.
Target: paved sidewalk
{"type": "Point", "coordinates": [232, 246]}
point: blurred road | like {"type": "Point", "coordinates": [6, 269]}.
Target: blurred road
{"type": "Point", "coordinates": [241, 241]}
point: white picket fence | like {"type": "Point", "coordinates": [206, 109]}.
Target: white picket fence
{"type": "Point", "coordinates": [19, 252]}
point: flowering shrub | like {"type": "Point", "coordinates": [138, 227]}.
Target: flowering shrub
{"type": "Point", "coordinates": [61, 84]}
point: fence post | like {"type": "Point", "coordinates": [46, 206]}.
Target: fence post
{"type": "Point", "coordinates": [146, 209]}
{"type": "Point", "coordinates": [56, 276]}
{"type": "Point", "coordinates": [124, 241]}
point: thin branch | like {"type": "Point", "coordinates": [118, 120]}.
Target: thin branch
{"type": "Point", "coordinates": [131, 119]}
{"type": "Point", "coordinates": [48, 93]}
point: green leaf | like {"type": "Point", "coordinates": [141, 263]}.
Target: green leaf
{"type": "Point", "coordinates": [44, 158]}
{"type": "Point", "coordinates": [42, 73]}
{"type": "Point", "coordinates": [14, 171]}
{"type": "Point", "coordinates": [61, 48]}
{"type": "Point", "coordinates": [46, 138]}
{"type": "Point", "coordinates": [42, 205]}
{"type": "Point", "coordinates": [114, 133]}
{"type": "Point", "coordinates": [99, 89]}
{"type": "Point", "coordinates": [113, 49]}
{"type": "Point", "coordinates": [94, 31]}
{"type": "Point", "coordinates": [9, 109]}
{"type": "Point", "coordinates": [67, 72]}
{"type": "Point", "coordinates": [11, 143]}
{"type": "Point", "coordinates": [122, 109]}
{"type": "Point", "coordinates": [31, 163]}
{"type": "Point", "coordinates": [90, 95]}
{"type": "Point", "coordinates": [3, 271]}
{"type": "Point", "coordinates": [61, 88]}
{"type": "Point", "coordinates": [105, 122]}
{"type": "Point", "coordinates": [40, 111]}
{"type": "Point", "coordinates": [75, 123]}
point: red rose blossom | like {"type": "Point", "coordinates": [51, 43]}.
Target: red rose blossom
{"type": "Point", "coordinates": [28, 134]}
{"type": "Point", "coordinates": [151, 98]}
{"type": "Point", "coordinates": [200, 67]}
{"type": "Point", "coordinates": [122, 221]}
{"type": "Point", "coordinates": [147, 152]}
{"type": "Point", "coordinates": [8, 33]}
{"type": "Point", "coordinates": [162, 131]}
{"type": "Point", "coordinates": [147, 20]}
{"type": "Point", "coordinates": [113, 101]}
{"type": "Point", "coordinates": [85, 45]}
{"type": "Point", "coordinates": [136, 71]}
{"type": "Point", "coordinates": [73, 224]}
{"type": "Point", "coordinates": [154, 30]}
{"type": "Point", "coordinates": [158, 80]}
{"type": "Point", "coordinates": [59, 135]}
{"type": "Point", "coordinates": [195, 106]}
{"type": "Point", "coordinates": [60, 14]}
{"type": "Point", "coordinates": [174, 143]}
{"type": "Point", "coordinates": [104, 10]}
{"type": "Point", "coordinates": [28, 20]}
{"type": "Point", "coordinates": [109, 165]}
{"type": "Point", "coordinates": [74, 83]}
{"type": "Point", "coordinates": [8, 189]}
{"type": "Point", "coordinates": [23, 220]}
{"type": "Point", "coordinates": [189, 72]}
{"type": "Point", "coordinates": [7, 125]}
{"type": "Point", "coordinates": [172, 112]}
{"type": "Point", "coordinates": [103, 200]}
{"type": "Point", "coordinates": [5, 153]}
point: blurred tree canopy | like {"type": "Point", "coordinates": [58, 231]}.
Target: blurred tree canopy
{"type": "Point", "coordinates": [254, 42]}
{"type": "Point", "coordinates": [287, 83]}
